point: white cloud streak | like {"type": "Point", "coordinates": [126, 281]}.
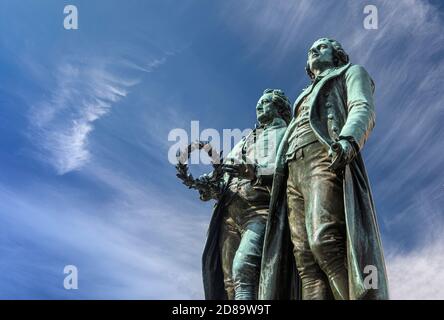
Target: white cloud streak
{"type": "Point", "coordinates": [62, 124]}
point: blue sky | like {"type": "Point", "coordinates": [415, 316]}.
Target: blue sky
{"type": "Point", "coordinates": [85, 116]}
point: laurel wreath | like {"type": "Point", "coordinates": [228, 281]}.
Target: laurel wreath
{"type": "Point", "coordinates": [208, 185]}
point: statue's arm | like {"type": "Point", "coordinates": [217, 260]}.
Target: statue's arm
{"type": "Point", "coordinates": [361, 110]}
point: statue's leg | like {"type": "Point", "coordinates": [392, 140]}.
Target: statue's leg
{"type": "Point", "coordinates": [325, 219]}
{"type": "Point", "coordinates": [229, 242]}
{"type": "Point", "coordinates": [247, 262]}
{"type": "Point", "coordinates": [314, 282]}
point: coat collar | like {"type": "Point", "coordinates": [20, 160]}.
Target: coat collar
{"type": "Point", "coordinates": [319, 83]}
{"type": "Point", "coordinates": [276, 123]}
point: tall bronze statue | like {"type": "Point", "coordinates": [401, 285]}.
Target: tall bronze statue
{"type": "Point", "coordinates": [322, 217]}
{"type": "Point", "coordinates": [232, 255]}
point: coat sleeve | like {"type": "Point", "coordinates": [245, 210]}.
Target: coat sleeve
{"type": "Point", "coordinates": [361, 110]}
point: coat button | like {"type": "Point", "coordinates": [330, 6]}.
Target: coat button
{"type": "Point", "coordinates": [330, 116]}
{"type": "Point", "coordinates": [328, 104]}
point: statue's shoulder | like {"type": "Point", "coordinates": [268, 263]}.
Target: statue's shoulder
{"type": "Point", "coordinates": [356, 69]}
{"type": "Point", "coordinates": [280, 131]}
{"type": "Point", "coordinates": [357, 72]}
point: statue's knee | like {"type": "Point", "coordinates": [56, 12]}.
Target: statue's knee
{"type": "Point", "coordinates": [319, 249]}
{"type": "Point", "coordinates": [245, 267]}
{"type": "Point", "coordinates": [328, 253]}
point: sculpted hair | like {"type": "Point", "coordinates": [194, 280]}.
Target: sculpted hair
{"type": "Point", "coordinates": [340, 57]}
{"type": "Point", "coordinates": [282, 102]}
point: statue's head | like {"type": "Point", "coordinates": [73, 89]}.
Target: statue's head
{"type": "Point", "coordinates": [273, 104]}
{"type": "Point", "coordinates": [325, 53]}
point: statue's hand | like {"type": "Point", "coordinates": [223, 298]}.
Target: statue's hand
{"type": "Point", "coordinates": [243, 171]}
{"type": "Point", "coordinates": [207, 187]}
{"type": "Point", "coordinates": [343, 153]}
{"type": "Point", "coordinates": [205, 195]}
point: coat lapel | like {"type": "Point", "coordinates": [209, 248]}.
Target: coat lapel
{"type": "Point", "coordinates": [304, 93]}
{"type": "Point", "coordinates": [314, 90]}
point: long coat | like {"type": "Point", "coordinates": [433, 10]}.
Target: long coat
{"type": "Point", "coordinates": [212, 274]}
{"type": "Point", "coordinates": [341, 106]}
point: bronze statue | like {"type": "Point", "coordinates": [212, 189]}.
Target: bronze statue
{"type": "Point", "coordinates": [331, 235]}
{"type": "Point", "coordinates": [232, 255]}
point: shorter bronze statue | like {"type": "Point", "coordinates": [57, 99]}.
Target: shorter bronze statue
{"type": "Point", "coordinates": [232, 255]}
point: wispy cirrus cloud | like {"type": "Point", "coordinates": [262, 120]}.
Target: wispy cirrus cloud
{"type": "Point", "coordinates": [146, 67]}
{"type": "Point", "coordinates": [147, 247]}
{"type": "Point", "coordinates": [61, 124]}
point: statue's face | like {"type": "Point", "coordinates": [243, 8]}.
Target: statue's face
{"type": "Point", "coordinates": [266, 111]}
{"type": "Point", "coordinates": [320, 55]}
